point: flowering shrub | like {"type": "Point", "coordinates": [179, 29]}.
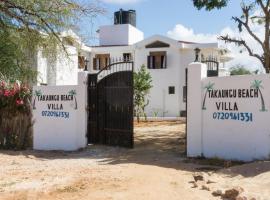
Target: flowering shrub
{"type": "Point", "coordinates": [15, 116]}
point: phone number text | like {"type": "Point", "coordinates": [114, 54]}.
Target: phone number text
{"type": "Point", "coordinates": [240, 116]}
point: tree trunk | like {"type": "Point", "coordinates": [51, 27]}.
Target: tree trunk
{"type": "Point", "coordinates": [204, 99]}
{"type": "Point", "coordinates": [262, 101]}
{"type": "Point", "coordinates": [76, 105]}
{"type": "Point", "coordinates": [266, 43]}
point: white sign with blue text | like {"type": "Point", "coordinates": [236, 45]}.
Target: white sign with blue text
{"type": "Point", "coordinates": [235, 117]}
{"type": "Point", "coordinates": [56, 113]}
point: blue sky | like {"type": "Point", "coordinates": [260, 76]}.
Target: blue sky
{"type": "Point", "coordinates": [160, 16]}
{"type": "Point", "coordinates": [177, 19]}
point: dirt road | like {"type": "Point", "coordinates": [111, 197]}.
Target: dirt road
{"type": "Point", "coordinates": [155, 169]}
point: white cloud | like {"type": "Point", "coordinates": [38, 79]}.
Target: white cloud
{"type": "Point", "coordinates": [121, 1]}
{"type": "Point", "coordinates": [180, 32]}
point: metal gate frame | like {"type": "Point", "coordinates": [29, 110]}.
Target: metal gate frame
{"type": "Point", "coordinates": [99, 112]}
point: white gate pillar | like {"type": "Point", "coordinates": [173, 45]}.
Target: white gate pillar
{"type": "Point", "coordinates": [82, 110]}
{"type": "Point", "coordinates": [196, 72]}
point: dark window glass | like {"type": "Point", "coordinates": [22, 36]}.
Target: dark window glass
{"type": "Point", "coordinates": [171, 90]}
{"type": "Point", "coordinates": [127, 57]}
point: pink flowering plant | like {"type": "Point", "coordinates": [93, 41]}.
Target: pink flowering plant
{"type": "Point", "coordinates": [15, 115]}
{"type": "Point", "coordinates": [14, 97]}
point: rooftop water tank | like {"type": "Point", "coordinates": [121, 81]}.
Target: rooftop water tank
{"type": "Point", "coordinates": [125, 17]}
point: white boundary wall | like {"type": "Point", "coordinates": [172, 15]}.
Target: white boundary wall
{"type": "Point", "coordinates": [60, 123]}
{"type": "Point", "coordinates": [240, 130]}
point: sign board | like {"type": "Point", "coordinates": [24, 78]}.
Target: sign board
{"type": "Point", "coordinates": [55, 104]}
{"type": "Point", "coordinates": [228, 117]}
{"type": "Point", "coordinates": [236, 117]}
{"type": "Point", "coordinates": [58, 112]}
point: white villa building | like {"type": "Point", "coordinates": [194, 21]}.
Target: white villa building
{"type": "Point", "coordinates": [165, 58]}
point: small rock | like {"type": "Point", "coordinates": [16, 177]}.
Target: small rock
{"type": "Point", "coordinates": [198, 177]}
{"type": "Point", "coordinates": [217, 193]}
{"type": "Point", "coordinates": [232, 193]}
{"type": "Point", "coordinates": [205, 188]}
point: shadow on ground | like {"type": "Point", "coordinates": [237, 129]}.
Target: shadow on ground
{"type": "Point", "coordinates": [159, 144]}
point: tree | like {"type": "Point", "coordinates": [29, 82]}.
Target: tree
{"type": "Point", "coordinates": [142, 86]}
{"type": "Point", "coordinates": [256, 84]}
{"type": "Point", "coordinates": [27, 25]}
{"type": "Point", "coordinates": [253, 12]}
{"type": "Point", "coordinates": [210, 4]}
{"type": "Point", "coordinates": [207, 88]}
{"type": "Point", "coordinates": [239, 70]}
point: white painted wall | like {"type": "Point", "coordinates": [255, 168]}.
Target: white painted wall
{"type": "Point", "coordinates": [223, 72]}
{"type": "Point", "coordinates": [67, 67]}
{"type": "Point", "coordinates": [228, 138]}
{"type": "Point", "coordinates": [167, 105]}
{"type": "Point", "coordinates": [60, 133]}
{"type": "Point", "coordinates": [178, 58]}
{"type": "Point", "coordinates": [196, 72]}
{"type": "Point", "coordinates": [120, 34]}
{"type": "Point", "coordinates": [135, 35]}
{"type": "Point", "coordinates": [61, 69]}
{"type": "Point", "coordinates": [42, 68]}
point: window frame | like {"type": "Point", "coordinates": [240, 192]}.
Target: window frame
{"type": "Point", "coordinates": [157, 60]}
{"type": "Point", "coordinates": [99, 60]}
{"type": "Point", "coordinates": [129, 57]}
{"type": "Point", "coordinates": [171, 90]}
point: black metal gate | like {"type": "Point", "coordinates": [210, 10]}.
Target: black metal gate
{"type": "Point", "coordinates": [212, 67]}
{"type": "Point", "coordinates": [110, 105]}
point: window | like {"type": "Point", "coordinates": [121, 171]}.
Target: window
{"type": "Point", "coordinates": [171, 90]}
{"type": "Point", "coordinates": [81, 62]}
{"type": "Point", "coordinates": [127, 57]}
{"type": "Point", "coordinates": [101, 61]}
{"type": "Point", "coordinates": [184, 93]}
{"type": "Point", "coordinates": [157, 60]}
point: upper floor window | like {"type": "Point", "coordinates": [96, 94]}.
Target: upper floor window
{"type": "Point", "coordinates": [101, 61]}
{"type": "Point", "coordinates": [157, 60]}
{"type": "Point", "coordinates": [127, 57]}
{"type": "Point", "coordinates": [81, 62]}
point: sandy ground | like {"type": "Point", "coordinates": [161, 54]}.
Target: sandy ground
{"type": "Point", "coordinates": [155, 169]}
